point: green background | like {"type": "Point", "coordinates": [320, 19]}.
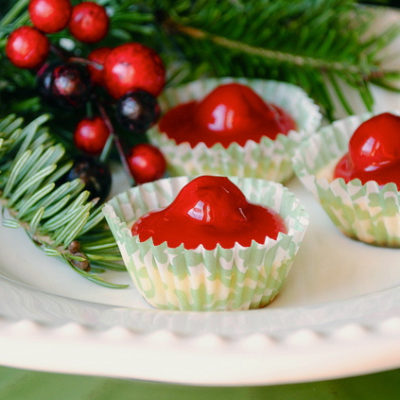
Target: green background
{"type": "Point", "coordinates": [18, 384]}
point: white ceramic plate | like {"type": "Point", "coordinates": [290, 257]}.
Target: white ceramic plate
{"type": "Point", "coordinates": [338, 315]}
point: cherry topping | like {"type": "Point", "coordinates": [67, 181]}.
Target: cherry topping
{"type": "Point", "coordinates": [133, 66]}
{"type": "Point", "coordinates": [50, 16]}
{"type": "Point", "coordinates": [376, 142]}
{"type": "Point", "coordinates": [27, 47]}
{"type": "Point", "coordinates": [96, 73]}
{"type": "Point", "coordinates": [231, 107]}
{"type": "Point", "coordinates": [137, 111]}
{"type": "Point", "coordinates": [374, 152]}
{"type": "Point", "coordinates": [209, 210]}
{"type": "Point", "coordinates": [230, 113]}
{"type": "Point", "coordinates": [344, 168]}
{"type": "Point", "coordinates": [91, 135]}
{"type": "Point", "coordinates": [146, 163]}
{"type": "Point", "coordinates": [89, 22]}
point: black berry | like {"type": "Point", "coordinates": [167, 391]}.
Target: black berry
{"type": "Point", "coordinates": [95, 175]}
{"type": "Point", "coordinates": [137, 111]}
{"type": "Point", "coordinates": [44, 81]}
{"type": "Point", "coordinates": [70, 85]}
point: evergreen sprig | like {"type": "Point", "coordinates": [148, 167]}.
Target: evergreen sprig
{"type": "Point", "coordinates": [56, 216]}
{"type": "Point", "coordinates": [316, 44]}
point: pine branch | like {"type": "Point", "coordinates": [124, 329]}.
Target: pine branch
{"type": "Point", "coordinates": [311, 43]}
{"type": "Point", "coordinates": [58, 217]}
{"type": "Point", "coordinates": [297, 60]}
{"type": "Point", "coordinates": [308, 43]}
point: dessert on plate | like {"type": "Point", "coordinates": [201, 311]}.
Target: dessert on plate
{"type": "Point", "coordinates": [374, 152]}
{"type": "Point", "coordinates": [233, 127]}
{"type": "Point", "coordinates": [210, 243]}
{"type": "Point", "coordinates": [352, 167]}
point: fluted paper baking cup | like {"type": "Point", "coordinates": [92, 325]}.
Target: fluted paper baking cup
{"type": "Point", "coordinates": [200, 279]}
{"type": "Point", "coordinates": [367, 212]}
{"type": "Point", "coordinates": [268, 159]}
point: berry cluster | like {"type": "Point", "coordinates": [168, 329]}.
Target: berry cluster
{"type": "Point", "coordinates": [132, 74]}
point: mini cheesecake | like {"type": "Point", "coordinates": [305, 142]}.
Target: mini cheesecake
{"type": "Point", "coordinates": [233, 127]}
{"type": "Point", "coordinates": [374, 152]}
{"type": "Point", "coordinates": [209, 243]}
{"type": "Point", "coordinates": [353, 169]}
{"type": "Point", "coordinates": [231, 113]}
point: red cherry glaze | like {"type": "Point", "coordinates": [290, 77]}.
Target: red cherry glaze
{"type": "Point", "coordinates": [89, 22]}
{"type": "Point", "coordinates": [50, 16]}
{"type": "Point", "coordinates": [98, 56]}
{"type": "Point", "coordinates": [386, 174]}
{"type": "Point", "coordinates": [27, 47]}
{"type": "Point", "coordinates": [146, 163]}
{"type": "Point", "coordinates": [374, 152]}
{"type": "Point", "coordinates": [230, 113]}
{"type": "Point", "coordinates": [91, 135]}
{"type": "Point", "coordinates": [133, 66]}
{"type": "Point", "coordinates": [209, 210]}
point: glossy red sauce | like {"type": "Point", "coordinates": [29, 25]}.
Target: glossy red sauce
{"type": "Point", "coordinates": [209, 210]}
{"type": "Point", "coordinates": [230, 113]}
{"type": "Point", "coordinates": [374, 152]}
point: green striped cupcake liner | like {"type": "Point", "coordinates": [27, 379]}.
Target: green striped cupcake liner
{"type": "Point", "coordinates": [268, 159]}
{"type": "Point", "coordinates": [238, 278]}
{"type": "Point", "coordinates": [369, 212]}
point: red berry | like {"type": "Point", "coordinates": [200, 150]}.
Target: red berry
{"type": "Point", "coordinates": [146, 163]}
{"type": "Point", "coordinates": [91, 135]}
{"type": "Point", "coordinates": [50, 16]}
{"type": "Point", "coordinates": [98, 56]}
{"type": "Point", "coordinates": [133, 66]}
{"type": "Point", "coordinates": [27, 47]}
{"type": "Point", "coordinates": [89, 22]}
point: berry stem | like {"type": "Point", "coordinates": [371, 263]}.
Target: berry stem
{"type": "Point", "coordinates": [117, 141]}
{"type": "Point", "coordinates": [80, 60]}
{"type": "Point", "coordinates": [106, 149]}
{"type": "Point", "coordinates": [89, 109]}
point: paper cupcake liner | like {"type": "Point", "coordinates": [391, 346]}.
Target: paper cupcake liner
{"type": "Point", "coordinates": [200, 279]}
{"type": "Point", "coordinates": [365, 212]}
{"type": "Point", "coordinates": [268, 159]}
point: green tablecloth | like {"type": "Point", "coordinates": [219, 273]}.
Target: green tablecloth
{"type": "Point", "coordinates": [18, 384]}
